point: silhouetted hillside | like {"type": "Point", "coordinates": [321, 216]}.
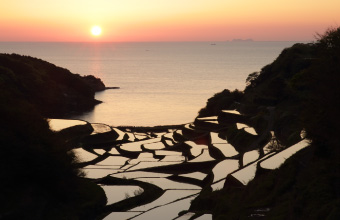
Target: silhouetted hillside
{"type": "Point", "coordinates": [55, 91]}
{"type": "Point", "coordinates": [301, 85]}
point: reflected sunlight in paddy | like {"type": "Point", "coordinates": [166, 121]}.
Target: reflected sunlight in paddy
{"type": "Point", "coordinates": [167, 197]}
{"type": "Point", "coordinates": [117, 193]}
{"type": "Point", "coordinates": [168, 184]}
{"type": "Point", "coordinates": [168, 212]}
{"type": "Point", "coordinates": [60, 124]}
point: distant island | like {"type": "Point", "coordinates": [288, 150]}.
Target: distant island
{"type": "Point", "coordinates": [242, 40]}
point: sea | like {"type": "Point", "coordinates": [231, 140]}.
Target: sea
{"type": "Point", "coordinates": [161, 83]}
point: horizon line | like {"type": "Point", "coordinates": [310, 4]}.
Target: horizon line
{"type": "Point", "coordinates": [185, 41]}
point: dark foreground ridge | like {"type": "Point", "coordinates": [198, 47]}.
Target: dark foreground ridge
{"type": "Point", "coordinates": [39, 177]}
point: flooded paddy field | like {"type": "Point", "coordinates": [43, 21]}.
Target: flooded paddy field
{"type": "Point", "coordinates": [155, 173]}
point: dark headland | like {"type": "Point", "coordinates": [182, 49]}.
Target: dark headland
{"type": "Point", "coordinates": [296, 94]}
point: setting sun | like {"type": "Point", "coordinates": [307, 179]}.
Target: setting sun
{"type": "Point", "coordinates": [161, 20]}
{"type": "Point", "coordinates": [96, 30]}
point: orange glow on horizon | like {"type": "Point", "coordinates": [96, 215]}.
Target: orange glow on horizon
{"type": "Point", "coordinates": [163, 20]}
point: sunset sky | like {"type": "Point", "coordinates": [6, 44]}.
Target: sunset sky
{"type": "Point", "coordinates": [166, 20]}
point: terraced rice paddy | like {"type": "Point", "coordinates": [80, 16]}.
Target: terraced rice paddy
{"type": "Point", "coordinates": [155, 174]}
{"type": "Point", "coordinates": [60, 124]}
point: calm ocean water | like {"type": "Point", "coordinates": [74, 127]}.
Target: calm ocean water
{"type": "Point", "coordinates": [161, 83]}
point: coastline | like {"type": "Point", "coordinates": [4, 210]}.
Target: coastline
{"type": "Point", "coordinates": [112, 87]}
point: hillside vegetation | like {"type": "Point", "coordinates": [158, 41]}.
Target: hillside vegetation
{"type": "Point", "coordinates": [302, 86]}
